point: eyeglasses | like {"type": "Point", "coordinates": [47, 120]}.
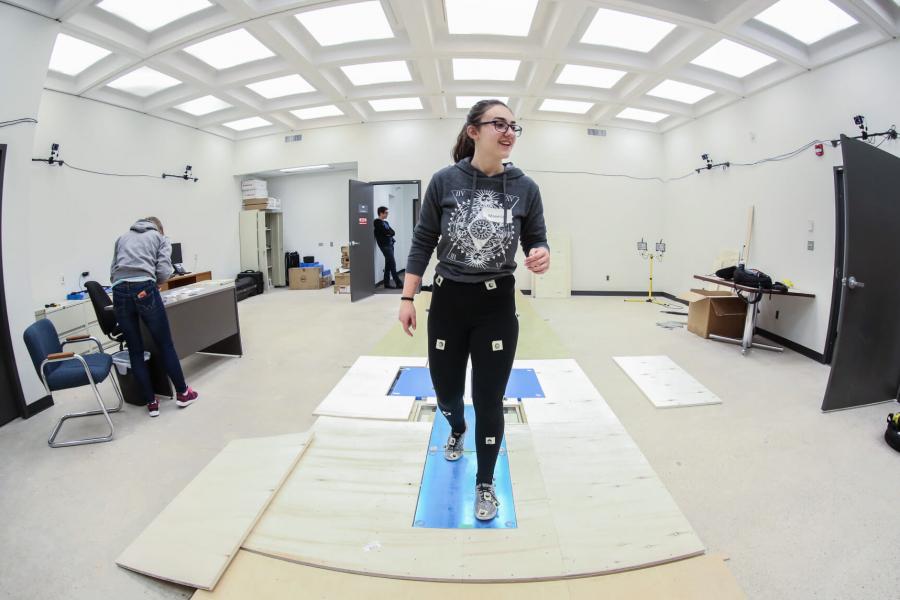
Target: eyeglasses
{"type": "Point", "coordinates": [502, 126]}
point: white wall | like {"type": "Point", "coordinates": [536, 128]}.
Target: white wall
{"type": "Point", "coordinates": [707, 213]}
{"type": "Point", "coordinates": [26, 41]}
{"type": "Point", "coordinates": [604, 216]}
{"type": "Point", "coordinates": [80, 215]}
{"type": "Point", "coordinates": [315, 213]}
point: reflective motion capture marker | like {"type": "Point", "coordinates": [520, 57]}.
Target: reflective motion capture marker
{"type": "Point", "coordinates": [447, 494]}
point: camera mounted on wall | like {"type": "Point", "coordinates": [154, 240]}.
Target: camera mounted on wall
{"type": "Point", "coordinates": [188, 174]}
{"type": "Point", "coordinates": [710, 164]}
{"type": "Point", "coordinates": [53, 159]}
{"type": "Point", "coordinates": [860, 122]}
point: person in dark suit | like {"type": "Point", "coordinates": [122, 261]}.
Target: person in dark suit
{"type": "Point", "coordinates": [384, 237]}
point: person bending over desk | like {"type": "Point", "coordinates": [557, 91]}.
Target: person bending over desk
{"type": "Point", "coordinates": [141, 259]}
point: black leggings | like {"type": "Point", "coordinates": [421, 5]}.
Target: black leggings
{"type": "Point", "coordinates": [477, 319]}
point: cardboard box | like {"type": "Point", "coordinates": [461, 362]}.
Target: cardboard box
{"type": "Point", "coordinates": [342, 279]}
{"type": "Point", "coordinates": [305, 278]}
{"type": "Point", "coordinates": [341, 289]}
{"type": "Point", "coordinates": [324, 281]}
{"type": "Point", "coordinates": [716, 312]}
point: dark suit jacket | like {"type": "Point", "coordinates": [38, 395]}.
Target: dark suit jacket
{"type": "Point", "coordinates": [384, 235]}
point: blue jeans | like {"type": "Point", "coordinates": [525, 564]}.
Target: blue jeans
{"type": "Point", "coordinates": [130, 310]}
{"type": "Point", "coordinates": [390, 265]}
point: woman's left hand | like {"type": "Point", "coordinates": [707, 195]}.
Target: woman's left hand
{"type": "Point", "coordinates": [538, 260]}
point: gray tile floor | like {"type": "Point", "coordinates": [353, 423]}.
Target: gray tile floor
{"type": "Point", "coordinates": [803, 503]}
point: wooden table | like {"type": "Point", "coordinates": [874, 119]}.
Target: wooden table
{"type": "Point", "coordinates": [751, 296]}
{"type": "Point", "coordinates": [187, 279]}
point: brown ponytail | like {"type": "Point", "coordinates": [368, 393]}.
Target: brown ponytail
{"type": "Point", "coordinates": [465, 146]}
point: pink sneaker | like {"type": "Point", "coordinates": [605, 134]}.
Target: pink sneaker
{"type": "Point", "coordinates": [153, 408]}
{"type": "Point", "coordinates": [187, 398]}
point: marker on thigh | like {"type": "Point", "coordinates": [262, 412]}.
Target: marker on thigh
{"type": "Point", "coordinates": [497, 345]}
{"type": "Point", "coordinates": [440, 344]}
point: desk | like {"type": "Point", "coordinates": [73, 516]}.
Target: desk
{"type": "Point", "coordinates": [203, 317]}
{"type": "Point", "coordinates": [183, 280]}
{"type": "Point", "coordinates": [751, 296]}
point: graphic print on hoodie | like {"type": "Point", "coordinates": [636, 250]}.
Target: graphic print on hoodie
{"type": "Point", "coordinates": [475, 221]}
{"type": "Point", "coordinates": [481, 230]}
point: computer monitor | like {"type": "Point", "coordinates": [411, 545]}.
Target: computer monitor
{"type": "Point", "coordinates": [176, 254]}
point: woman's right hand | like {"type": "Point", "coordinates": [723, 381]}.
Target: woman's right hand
{"type": "Point", "coordinates": [407, 316]}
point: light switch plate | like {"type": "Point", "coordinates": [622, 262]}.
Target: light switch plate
{"type": "Point", "coordinates": [810, 245]}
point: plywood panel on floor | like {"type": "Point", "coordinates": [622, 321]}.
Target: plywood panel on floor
{"type": "Point", "coordinates": [263, 578]}
{"type": "Point", "coordinates": [196, 535]}
{"type": "Point", "coordinates": [363, 392]}
{"type": "Point", "coordinates": [664, 383]}
{"type": "Point", "coordinates": [587, 500]}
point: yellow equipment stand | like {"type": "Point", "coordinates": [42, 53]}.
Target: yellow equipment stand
{"type": "Point", "coordinates": [649, 297]}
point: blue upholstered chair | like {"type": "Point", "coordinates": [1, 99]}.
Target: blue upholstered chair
{"type": "Point", "coordinates": [63, 370]}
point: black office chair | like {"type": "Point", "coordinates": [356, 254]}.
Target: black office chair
{"type": "Point", "coordinates": [106, 318]}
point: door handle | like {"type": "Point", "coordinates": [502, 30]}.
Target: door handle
{"type": "Point", "coordinates": [352, 243]}
{"type": "Point", "coordinates": [852, 283]}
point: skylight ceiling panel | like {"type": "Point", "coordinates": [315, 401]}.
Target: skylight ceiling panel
{"type": "Point", "coordinates": [395, 71]}
{"type": "Point", "coordinates": [230, 49]}
{"type": "Point", "coordinates": [279, 87]}
{"type": "Point", "coordinates": [71, 56]}
{"type": "Point", "coordinates": [577, 107]}
{"type": "Point", "coordinates": [143, 82]}
{"type": "Point", "coordinates": [680, 92]}
{"type": "Point", "coordinates": [485, 69]}
{"type": "Point", "coordinates": [645, 116]}
{"type": "Point", "coordinates": [808, 21]}
{"type": "Point", "coordinates": [497, 17]}
{"type": "Point", "coordinates": [204, 105]}
{"type": "Point", "coordinates": [152, 15]}
{"type": "Point", "coordinates": [317, 112]}
{"type": "Point", "coordinates": [587, 76]}
{"type": "Point", "coordinates": [396, 104]}
{"type": "Point", "coordinates": [625, 30]}
{"type": "Point", "coordinates": [247, 124]}
{"type": "Point", "coordinates": [347, 23]}
{"type": "Point", "coordinates": [733, 59]}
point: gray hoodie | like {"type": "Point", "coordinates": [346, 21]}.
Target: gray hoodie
{"type": "Point", "coordinates": [475, 221]}
{"type": "Point", "coordinates": [142, 252]}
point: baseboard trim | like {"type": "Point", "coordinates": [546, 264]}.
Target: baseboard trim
{"type": "Point", "coordinates": [37, 406]}
{"type": "Point", "coordinates": [807, 352]}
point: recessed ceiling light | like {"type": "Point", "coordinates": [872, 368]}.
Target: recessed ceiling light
{"type": "Point", "coordinates": [485, 69]}
{"type": "Point", "coordinates": [733, 59]}
{"type": "Point", "coordinates": [143, 82]}
{"type": "Point", "coordinates": [680, 92]}
{"type": "Point", "coordinates": [624, 30]}
{"type": "Point", "coordinates": [597, 77]}
{"type": "Point", "coordinates": [249, 123]}
{"type": "Point", "coordinates": [806, 20]}
{"type": "Point", "coordinates": [309, 168]}
{"type": "Point", "coordinates": [566, 106]}
{"type": "Point", "coordinates": [317, 112]}
{"type": "Point", "coordinates": [396, 104]}
{"type": "Point", "coordinates": [229, 49]}
{"type": "Point", "coordinates": [468, 102]}
{"type": "Point", "coordinates": [381, 72]}
{"type": "Point", "coordinates": [71, 56]}
{"type": "Point", "coordinates": [152, 15]}
{"type": "Point", "coordinates": [347, 23]}
{"type": "Point", "coordinates": [499, 17]}
{"type": "Point", "coordinates": [636, 114]}
{"type": "Point", "coordinates": [203, 106]}
{"type": "Point", "coordinates": [281, 86]}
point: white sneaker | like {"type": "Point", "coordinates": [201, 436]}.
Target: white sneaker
{"type": "Point", "coordinates": [453, 449]}
{"type": "Point", "coordinates": [486, 503]}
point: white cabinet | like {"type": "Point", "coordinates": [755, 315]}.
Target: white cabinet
{"type": "Point", "coordinates": [262, 245]}
{"type": "Point", "coordinates": [75, 317]}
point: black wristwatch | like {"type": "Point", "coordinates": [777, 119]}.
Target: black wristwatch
{"type": "Point", "coordinates": [410, 298]}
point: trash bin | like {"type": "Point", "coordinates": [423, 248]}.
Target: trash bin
{"type": "Point", "coordinates": [131, 391]}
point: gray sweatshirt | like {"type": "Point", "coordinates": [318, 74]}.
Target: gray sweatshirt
{"type": "Point", "coordinates": [475, 221]}
{"type": "Point", "coordinates": [142, 252]}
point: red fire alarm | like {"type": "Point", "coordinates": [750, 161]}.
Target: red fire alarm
{"type": "Point", "coordinates": [820, 149]}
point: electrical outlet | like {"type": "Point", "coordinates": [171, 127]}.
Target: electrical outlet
{"type": "Point", "coordinates": [810, 245]}
{"type": "Point", "coordinates": [62, 280]}
{"type": "Point", "coordinates": [777, 313]}
{"type": "Point", "coordinates": [331, 244]}
{"type": "Point", "coordinates": [321, 244]}
{"type": "Point", "coordinates": [607, 277]}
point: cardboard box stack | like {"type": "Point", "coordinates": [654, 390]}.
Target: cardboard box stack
{"type": "Point", "coordinates": [309, 277]}
{"type": "Point", "coordinates": [342, 276]}
{"type": "Point", "coordinates": [255, 193]}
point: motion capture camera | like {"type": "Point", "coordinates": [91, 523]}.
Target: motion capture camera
{"type": "Point", "coordinates": [708, 160]}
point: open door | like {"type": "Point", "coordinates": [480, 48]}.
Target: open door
{"type": "Point", "coordinates": [866, 365]}
{"type": "Point", "coordinates": [362, 240]}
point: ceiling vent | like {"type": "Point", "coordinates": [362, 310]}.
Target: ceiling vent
{"type": "Point", "coordinates": [597, 132]}
{"type": "Point", "coordinates": [288, 139]}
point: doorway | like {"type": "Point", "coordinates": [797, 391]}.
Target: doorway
{"type": "Point", "coordinates": [12, 400]}
{"type": "Point", "coordinates": [400, 200]}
